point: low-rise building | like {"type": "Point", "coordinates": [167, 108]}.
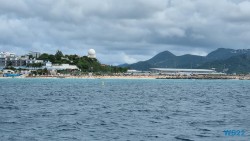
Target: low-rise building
{"type": "Point", "coordinates": [177, 71]}
{"type": "Point", "coordinates": [32, 61]}
{"type": "Point", "coordinates": [34, 54]}
{"type": "Point", "coordinates": [137, 72]}
{"type": "Point", "coordinates": [50, 66]}
{"type": "Point", "coordinates": [10, 59]}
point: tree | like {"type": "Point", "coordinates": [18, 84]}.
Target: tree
{"type": "Point", "coordinates": [58, 55]}
{"type": "Point", "coordinates": [52, 58]}
{"type": "Point", "coordinates": [9, 64]}
{"type": "Point", "coordinates": [44, 57]}
{"type": "Point", "coordinates": [35, 65]}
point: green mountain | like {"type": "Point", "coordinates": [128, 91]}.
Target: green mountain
{"type": "Point", "coordinates": [223, 53]}
{"type": "Point", "coordinates": [237, 64]}
{"type": "Point", "coordinates": [168, 60]}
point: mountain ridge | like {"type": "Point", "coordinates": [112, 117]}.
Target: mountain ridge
{"type": "Point", "coordinates": [166, 59]}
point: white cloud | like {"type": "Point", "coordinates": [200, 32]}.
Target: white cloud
{"type": "Point", "coordinates": [128, 59]}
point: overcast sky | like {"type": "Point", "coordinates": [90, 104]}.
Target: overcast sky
{"type": "Point", "coordinates": [124, 31]}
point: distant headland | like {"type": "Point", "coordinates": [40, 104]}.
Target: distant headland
{"type": "Point", "coordinates": [223, 60]}
{"type": "Point", "coordinates": [219, 64]}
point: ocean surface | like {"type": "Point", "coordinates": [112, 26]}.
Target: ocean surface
{"type": "Point", "coordinates": [123, 110]}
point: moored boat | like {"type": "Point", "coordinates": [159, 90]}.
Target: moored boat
{"type": "Point", "coordinates": [11, 75]}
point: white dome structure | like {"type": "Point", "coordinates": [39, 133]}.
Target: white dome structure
{"type": "Point", "coordinates": [91, 53]}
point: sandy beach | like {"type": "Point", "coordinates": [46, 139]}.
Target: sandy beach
{"type": "Point", "coordinates": [236, 77]}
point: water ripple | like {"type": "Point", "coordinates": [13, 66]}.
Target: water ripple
{"type": "Point", "coordinates": [67, 109]}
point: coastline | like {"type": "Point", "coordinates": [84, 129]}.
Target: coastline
{"type": "Point", "coordinates": [214, 77]}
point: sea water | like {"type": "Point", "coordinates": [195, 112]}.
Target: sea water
{"type": "Point", "coordinates": [113, 109]}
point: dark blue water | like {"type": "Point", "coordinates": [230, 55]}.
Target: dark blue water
{"type": "Point", "coordinates": [97, 109]}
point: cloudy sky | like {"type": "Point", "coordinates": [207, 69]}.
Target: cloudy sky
{"type": "Point", "coordinates": [124, 31]}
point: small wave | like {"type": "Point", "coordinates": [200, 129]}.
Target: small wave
{"type": "Point", "coordinates": [66, 127]}
{"type": "Point", "coordinates": [209, 123]}
{"type": "Point", "coordinates": [153, 136]}
{"type": "Point", "coordinates": [8, 122]}
{"type": "Point", "coordinates": [206, 130]}
{"type": "Point", "coordinates": [9, 107]}
{"type": "Point", "coordinates": [240, 106]}
{"type": "Point", "coordinates": [68, 114]}
{"type": "Point", "coordinates": [183, 138]}
{"type": "Point", "coordinates": [202, 136]}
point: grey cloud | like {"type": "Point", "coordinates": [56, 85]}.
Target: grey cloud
{"type": "Point", "coordinates": [124, 31]}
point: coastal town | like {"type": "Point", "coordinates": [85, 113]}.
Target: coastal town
{"type": "Point", "coordinates": [38, 65]}
{"type": "Point", "coordinates": [13, 65]}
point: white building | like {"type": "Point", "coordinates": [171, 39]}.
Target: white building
{"type": "Point", "coordinates": [8, 71]}
{"type": "Point", "coordinates": [133, 71]}
{"type": "Point", "coordinates": [7, 58]}
{"type": "Point", "coordinates": [176, 71]}
{"type": "Point", "coordinates": [136, 72]}
{"type": "Point", "coordinates": [7, 54]}
{"type": "Point", "coordinates": [91, 53]}
{"type": "Point", "coordinates": [32, 61]}
{"type": "Point", "coordinates": [50, 66]}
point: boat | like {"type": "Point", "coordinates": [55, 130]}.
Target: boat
{"type": "Point", "coordinates": [11, 75]}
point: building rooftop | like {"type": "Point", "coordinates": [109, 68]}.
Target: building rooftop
{"type": "Point", "coordinates": [182, 70]}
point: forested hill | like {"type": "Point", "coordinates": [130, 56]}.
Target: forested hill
{"type": "Point", "coordinates": [216, 59]}
{"type": "Point", "coordinates": [84, 63]}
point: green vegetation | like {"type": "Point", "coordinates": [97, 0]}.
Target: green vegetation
{"type": "Point", "coordinates": [236, 64]}
{"type": "Point", "coordinates": [35, 65]}
{"type": "Point", "coordinates": [84, 63]}
{"type": "Point", "coordinates": [10, 68]}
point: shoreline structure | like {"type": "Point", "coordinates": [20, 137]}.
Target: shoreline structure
{"type": "Point", "coordinates": [237, 77]}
